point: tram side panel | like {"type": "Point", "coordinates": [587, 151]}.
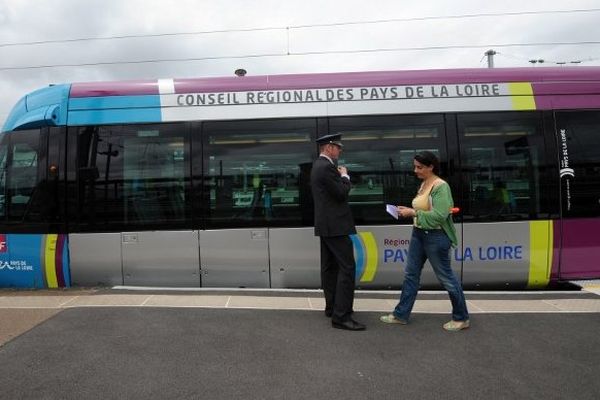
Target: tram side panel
{"type": "Point", "coordinates": [294, 258]}
{"type": "Point", "coordinates": [161, 258]}
{"type": "Point", "coordinates": [96, 259]}
{"type": "Point", "coordinates": [512, 255]}
{"type": "Point", "coordinates": [235, 258]}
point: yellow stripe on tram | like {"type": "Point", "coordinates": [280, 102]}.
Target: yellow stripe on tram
{"type": "Point", "coordinates": [50, 260]}
{"type": "Point", "coordinates": [521, 94]}
{"type": "Point", "coordinates": [540, 253]}
{"type": "Point", "coordinates": [370, 255]}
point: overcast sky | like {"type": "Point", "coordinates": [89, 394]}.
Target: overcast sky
{"type": "Point", "coordinates": [311, 48]}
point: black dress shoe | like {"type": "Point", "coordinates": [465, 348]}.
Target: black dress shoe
{"type": "Point", "coordinates": [328, 313]}
{"type": "Point", "coordinates": [350, 325]}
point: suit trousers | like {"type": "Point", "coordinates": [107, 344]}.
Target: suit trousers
{"type": "Point", "coordinates": [338, 270]}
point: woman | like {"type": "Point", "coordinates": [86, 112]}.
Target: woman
{"type": "Point", "coordinates": [433, 235]}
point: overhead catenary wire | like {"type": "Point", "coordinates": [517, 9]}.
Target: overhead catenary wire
{"type": "Point", "coordinates": [288, 53]}
{"type": "Point", "coordinates": [449, 47]}
{"type": "Point", "coordinates": [305, 26]}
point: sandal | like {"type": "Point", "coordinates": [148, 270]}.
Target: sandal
{"type": "Point", "coordinates": [392, 319]}
{"type": "Point", "coordinates": [454, 326]}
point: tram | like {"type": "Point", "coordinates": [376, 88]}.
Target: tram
{"type": "Point", "coordinates": [205, 182]}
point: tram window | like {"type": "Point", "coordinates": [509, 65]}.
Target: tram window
{"type": "Point", "coordinates": [257, 172]}
{"type": "Point", "coordinates": [133, 176]}
{"type": "Point", "coordinates": [581, 142]}
{"type": "Point", "coordinates": [501, 165]}
{"type": "Point", "coordinates": [379, 153]}
{"type": "Point", "coordinates": [22, 172]}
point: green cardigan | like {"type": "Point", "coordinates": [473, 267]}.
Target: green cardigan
{"type": "Point", "coordinates": [440, 215]}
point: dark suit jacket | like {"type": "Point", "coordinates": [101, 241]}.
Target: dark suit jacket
{"type": "Point", "coordinates": [330, 193]}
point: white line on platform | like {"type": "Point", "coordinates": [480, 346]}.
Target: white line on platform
{"type": "Point", "coordinates": [275, 290]}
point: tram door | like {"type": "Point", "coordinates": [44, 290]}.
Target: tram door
{"type": "Point", "coordinates": [579, 156]}
{"type": "Point", "coordinates": [379, 152]}
{"type": "Point", "coordinates": [252, 182]}
{"type": "Point", "coordinates": [503, 207]}
{"type": "Point", "coordinates": [133, 181]}
{"type": "Point", "coordinates": [155, 181]}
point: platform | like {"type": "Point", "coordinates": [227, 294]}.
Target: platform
{"type": "Point", "coordinates": [256, 344]}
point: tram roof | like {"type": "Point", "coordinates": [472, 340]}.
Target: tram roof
{"type": "Point", "coordinates": [51, 106]}
{"type": "Point", "coordinates": [340, 79]}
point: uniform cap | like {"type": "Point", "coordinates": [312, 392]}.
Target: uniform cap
{"type": "Point", "coordinates": [336, 139]}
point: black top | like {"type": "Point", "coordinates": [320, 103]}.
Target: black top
{"type": "Point", "coordinates": [333, 216]}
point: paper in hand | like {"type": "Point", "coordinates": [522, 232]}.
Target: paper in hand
{"type": "Point", "coordinates": [392, 210]}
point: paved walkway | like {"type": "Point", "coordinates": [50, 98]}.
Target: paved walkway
{"type": "Point", "coordinates": [23, 310]}
{"type": "Point", "coordinates": [311, 300]}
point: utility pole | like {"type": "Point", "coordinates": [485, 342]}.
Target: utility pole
{"type": "Point", "coordinates": [490, 57]}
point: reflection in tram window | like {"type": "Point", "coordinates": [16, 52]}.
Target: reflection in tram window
{"type": "Point", "coordinates": [502, 162]}
{"type": "Point", "coordinates": [256, 172]}
{"type": "Point", "coordinates": [22, 167]}
{"type": "Point", "coordinates": [132, 176]}
{"type": "Point", "coordinates": [379, 153]}
{"type": "Point", "coordinates": [154, 188]}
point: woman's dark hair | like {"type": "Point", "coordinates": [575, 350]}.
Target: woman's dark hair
{"type": "Point", "coordinates": [428, 159]}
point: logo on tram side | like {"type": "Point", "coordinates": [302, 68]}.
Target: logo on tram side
{"type": "Point", "coordinates": [564, 156]}
{"type": "Point", "coordinates": [5, 265]}
{"type": "Point", "coordinates": [565, 169]}
{"type": "Point", "coordinates": [3, 245]}
{"type": "Point", "coordinates": [366, 256]}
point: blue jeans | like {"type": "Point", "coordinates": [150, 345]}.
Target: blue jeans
{"type": "Point", "coordinates": [433, 245]}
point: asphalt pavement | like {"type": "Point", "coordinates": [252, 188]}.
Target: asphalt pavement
{"type": "Point", "coordinates": [161, 347]}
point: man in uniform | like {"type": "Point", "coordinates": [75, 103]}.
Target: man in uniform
{"type": "Point", "coordinates": [333, 224]}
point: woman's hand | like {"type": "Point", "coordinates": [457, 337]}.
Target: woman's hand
{"type": "Point", "coordinates": [406, 212]}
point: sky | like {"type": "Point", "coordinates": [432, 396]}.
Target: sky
{"type": "Point", "coordinates": [40, 39]}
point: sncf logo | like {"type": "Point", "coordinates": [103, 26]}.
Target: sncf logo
{"type": "Point", "coordinates": [3, 246]}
